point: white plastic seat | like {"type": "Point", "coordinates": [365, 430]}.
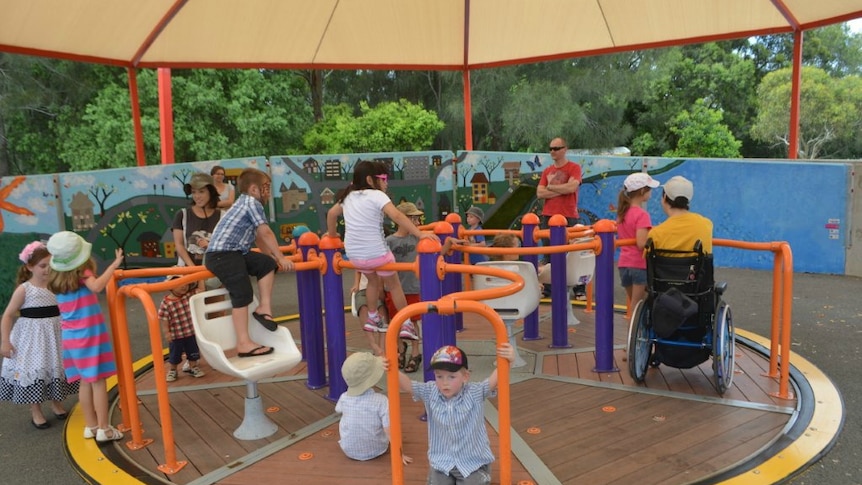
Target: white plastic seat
{"type": "Point", "coordinates": [513, 307]}
{"type": "Point", "coordinates": [215, 334]}
{"type": "Point", "coordinates": [580, 268]}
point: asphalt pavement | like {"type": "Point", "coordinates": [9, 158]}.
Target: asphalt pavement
{"type": "Point", "coordinates": [827, 331]}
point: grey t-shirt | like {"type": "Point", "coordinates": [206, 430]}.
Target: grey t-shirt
{"type": "Point", "coordinates": [404, 250]}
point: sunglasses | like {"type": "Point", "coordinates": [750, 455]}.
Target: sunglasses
{"type": "Point", "coordinates": [556, 149]}
{"type": "Point", "coordinates": [383, 177]}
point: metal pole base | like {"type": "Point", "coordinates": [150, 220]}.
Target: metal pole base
{"type": "Point", "coordinates": [255, 425]}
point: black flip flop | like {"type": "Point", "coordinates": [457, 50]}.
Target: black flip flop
{"type": "Point", "coordinates": [254, 352]}
{"type": "Point", "coordinates": [61, 416]}
{"type": "Point", "coordinates": [266, 320]}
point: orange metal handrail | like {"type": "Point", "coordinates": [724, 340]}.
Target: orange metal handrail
{"type": "Point", "coordinates": [119, 327]}
{"type": "Point", "coordinates": [448, 306]}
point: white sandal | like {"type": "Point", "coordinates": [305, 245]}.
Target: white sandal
{"type": "Point", "coordinates": [90, 433]}
{"type": "Point", "coordinates": [102, 434]}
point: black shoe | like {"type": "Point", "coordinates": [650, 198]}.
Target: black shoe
{"type": "Point", "coordinates": [44, 425]}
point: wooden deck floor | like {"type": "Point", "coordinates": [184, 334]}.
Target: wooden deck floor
{"type": "Point", "coordinates": [569, 424]}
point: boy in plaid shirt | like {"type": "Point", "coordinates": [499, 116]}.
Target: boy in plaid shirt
{"type": "Point", "coordinates": [175, 317]}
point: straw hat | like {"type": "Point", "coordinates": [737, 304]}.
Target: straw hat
{"type": "Point", "coordinates": [361, 371]}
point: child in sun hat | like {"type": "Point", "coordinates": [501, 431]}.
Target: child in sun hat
{"type": "Point", "coordinates": [364, 425]}
{"type": "Point", "coordinates": [87, 353]}
{"type": "Point", "coordinates": [475, 219]}
{"type": "Point", "coordinates": [458, 446]}
{"type": "Point", "coordinates": [175, 317]}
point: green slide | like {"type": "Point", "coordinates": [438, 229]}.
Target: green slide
{"type": "Point", "coordinates": [508, 216]}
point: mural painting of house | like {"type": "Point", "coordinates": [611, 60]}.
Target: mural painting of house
{"type": "Point", "coordinates": [511, 172]}
{"type": "Point", "coordinates": [492, 198]}
{"type": "Point", "coordinates": [311, 166]}
{"type": "Point", "coordinates": [437, 160]}
{"type": "Point", "coordinates": [231, 176]}
{"type": "Point", "coordinates": [415, 168]}
{"type": "Point", "coordinates": [169, 245]}
{"type": "Point", "coordinates": [327, 196]}
{"type": "Point", "coordinates": [332, 169]}
{"type": "Point", "coordinates": [479, 186]}
{"type": "Point", "coordinates": [292, 198]}
{"type": "Point", "coordinates": [387, 160]}
{"type": "Point", "coordinates": [149, 242]}
{"type": "Point", "coordinates": [82, 212]}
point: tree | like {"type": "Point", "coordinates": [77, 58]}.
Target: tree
{"type": "Point", "coordinates": [700, 133]}
{"type": "Point", "coordinates": [830, 114]}
{"type": "Point", "coordinates": [678, 77]}
{"type": "Point", "coordinates": [390, 126]}
{"type": "Point", "coordinates": [217, 114]}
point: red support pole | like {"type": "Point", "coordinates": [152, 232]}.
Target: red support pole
{"type": "Point", "coordinates": [166, 116]}
{"type": "Point", "coordinates": [136, 118]}
{"type": "Point", "coordinates": [796, 83]}
{"type": "Point", "coordinates": [468, 113]}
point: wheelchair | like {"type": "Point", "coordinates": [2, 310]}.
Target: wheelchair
{"type": "Point", "coordinates": [683, 321]}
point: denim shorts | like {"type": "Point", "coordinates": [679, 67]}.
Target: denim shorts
{"type": "Point", "coordinates": [632, 276]}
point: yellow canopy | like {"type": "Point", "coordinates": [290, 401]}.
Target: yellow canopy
{"type": "Point", "coordinates": [390, 34]}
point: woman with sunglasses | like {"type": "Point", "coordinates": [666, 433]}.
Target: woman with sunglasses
{"type": "Point", "coordinates": [363, 205]}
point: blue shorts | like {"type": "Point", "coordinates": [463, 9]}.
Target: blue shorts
{"type": "Point", "coordinates": [189, 345]}
{"type": "Point", "coordinates": [632, 276]}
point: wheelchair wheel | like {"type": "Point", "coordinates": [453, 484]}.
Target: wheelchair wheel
{"type": "Point", "coordinates": [723, 348]}
{"type": "Point", "coordinates": [640, 343]}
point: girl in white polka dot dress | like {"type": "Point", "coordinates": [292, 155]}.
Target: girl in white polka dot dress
{"type": "Point", "coordinates": [31, 345]}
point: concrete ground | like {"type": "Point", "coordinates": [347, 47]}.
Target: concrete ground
{"type": "Point", "coordinates": [827, 330]}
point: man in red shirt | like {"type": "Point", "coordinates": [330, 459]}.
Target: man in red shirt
{"type": "Point", "coordinates": [558, 187]}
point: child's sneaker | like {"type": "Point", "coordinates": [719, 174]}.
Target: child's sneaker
{"type": "Point", "coordinates": [172, 375]}
{"type": "Point", "coordinates": [196, 372]}
{"type": "Point", "coordinates": [373, 324]}
{"type": "Point", "coordinates": [408, 331]}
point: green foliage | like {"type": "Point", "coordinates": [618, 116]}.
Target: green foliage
{"type": "Point", "coordinates": [830, 112]}
{"type": "Point", "coordinates": [388, 127]}
{"type": "Point", "coordinates": [701, 133]}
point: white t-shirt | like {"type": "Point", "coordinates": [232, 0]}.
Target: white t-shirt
{"type": "Point", "coordinates": [363, 224]}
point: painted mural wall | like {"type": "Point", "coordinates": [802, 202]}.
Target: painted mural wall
{"type": "Point", "coordinates": [805, 204]}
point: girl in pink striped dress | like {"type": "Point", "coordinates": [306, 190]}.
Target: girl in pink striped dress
{"type": "Point", "coordinates": [87, 353]}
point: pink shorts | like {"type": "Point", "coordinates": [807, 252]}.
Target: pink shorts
{"type": "Point", "coordinates": [369, 265]}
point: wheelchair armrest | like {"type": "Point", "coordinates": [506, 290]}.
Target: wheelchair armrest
{"type": "Point", "coordinates": [720, 287]}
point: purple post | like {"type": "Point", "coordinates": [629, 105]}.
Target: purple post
{"type": "Point", "coordinates": [529, 223]}
{"type": "Point", "coordinates": [435, 333]}
{"type": "Point", "coordinates": [559, 290]}
{"type": "Point", "coordinates": [333, 304]}
{"type": "Point", "coordinates": [604, 286]}
{"type": "Point", "coordinates": [310, 322]}
{"type": "Point", "coordinates": [452, 282]}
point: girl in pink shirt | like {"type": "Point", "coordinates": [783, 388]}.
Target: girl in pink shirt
{"type": "Point", "coordinates": [633, 222]}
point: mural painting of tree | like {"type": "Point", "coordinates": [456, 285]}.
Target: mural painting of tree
{"type": "Point", "coordinates": [101, 192]}
{"type": "Point", "coordinates": [121, 230]}
{"type": "Point", "coordinates": [347, 169]}
{"type": "Point", "coordinates": [182, 175]}
{"type": "Point", "coordinates": [465, 170]}
{"type": "Point", "coordinates": [490, 165]}
{"type": "Point", "coordinates": [398, 168]}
